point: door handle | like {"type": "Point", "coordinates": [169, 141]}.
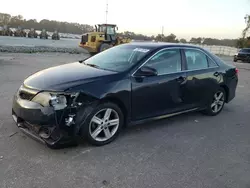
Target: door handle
{"type": "Point", "coordinates": [181, 80]}
{"type": "Point", "coordinates": [216, 74]}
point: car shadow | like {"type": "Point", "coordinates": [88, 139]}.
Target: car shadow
{"type": "Point", "coordinates": [147, 127]}
{"type": "Point", "coordinates": [158, 124]}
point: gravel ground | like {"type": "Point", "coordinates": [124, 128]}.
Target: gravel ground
{"type": "Point", "coordinates": [41, 49]}
{"type": "Point", "coordinates": [190, 150]}
{"type": "Point", "coordinates": [19, 41]}
{"type": "Point", "coordinates": [27, 45]}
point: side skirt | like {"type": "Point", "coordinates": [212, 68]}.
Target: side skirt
{"type": "Point", "coordinates": [162, 116]}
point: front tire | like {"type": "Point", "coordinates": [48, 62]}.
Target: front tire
{"type": "Point", "coordinates": [216, 104]}
{"type": "Point", "coordinates": [104, 46]}
{"type": "Point", "coordinates": [103, 125]}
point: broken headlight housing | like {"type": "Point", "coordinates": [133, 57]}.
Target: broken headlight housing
{"type": "Point", "coordinates": [57, 100]}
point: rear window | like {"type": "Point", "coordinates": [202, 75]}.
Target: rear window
{"type": "Point", "coordinates": [195, 59]}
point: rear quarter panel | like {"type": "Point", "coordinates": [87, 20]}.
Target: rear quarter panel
{"type": "Point", "coordinates": [231, 81]}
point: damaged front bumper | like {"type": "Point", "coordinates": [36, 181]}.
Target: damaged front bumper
{"type": "Point", "coordinates": [49, 126]}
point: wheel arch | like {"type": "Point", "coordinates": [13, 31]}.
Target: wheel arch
{"type": "Point", "coordinates": [226, 89]}
{"type": "Point", "coordinates": [120, 104]}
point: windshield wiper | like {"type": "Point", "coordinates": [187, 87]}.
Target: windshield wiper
{"type": "Point", "coordinates": [91, 65]}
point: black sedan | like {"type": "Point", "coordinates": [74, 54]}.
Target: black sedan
{"type": "Point", "coordinates": [125, 85]}
{"type": "Point", "coordinates": [243, 55]}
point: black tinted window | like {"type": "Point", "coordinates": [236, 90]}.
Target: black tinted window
{"type": "Point", "coordinates": [196, 60]}
{"type": "Point", "coordinates": [166, 61]}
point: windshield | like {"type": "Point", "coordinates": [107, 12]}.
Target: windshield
{"type": "Point", "coordinates": [119, 58]}
{"type": "Point", "coordinates": [245, 50]}
{"type": "Point", "coordinates": [110, 30]}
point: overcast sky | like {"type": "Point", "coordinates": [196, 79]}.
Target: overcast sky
{"type": "Point", "coordinates": [184, 18]}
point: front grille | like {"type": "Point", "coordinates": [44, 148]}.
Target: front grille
{"type": "Point", "coordinates": [241, 55]}
{"type": "Point", "coordinates": [84, 38]}
{"type": "Point", "coordinates": [26, 94]}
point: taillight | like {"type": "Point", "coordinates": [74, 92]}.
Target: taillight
{"type": "Point", "coordinates": [237, 71]}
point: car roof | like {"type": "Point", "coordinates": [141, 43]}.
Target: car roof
{"type": "Point", "coordinates": [114, 25]}
{"type": "Point", "coordinates": [156, 45]}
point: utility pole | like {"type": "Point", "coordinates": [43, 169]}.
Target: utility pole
{"type": "Point", "coordinates": [107, 12]}
{"type": "Point", "coordinates": [162, 33]}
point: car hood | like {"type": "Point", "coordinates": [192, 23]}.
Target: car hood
{"type": "Point", "coordinates": [243, 53]}
{"type": "Point", "coordinates": [65, 76]}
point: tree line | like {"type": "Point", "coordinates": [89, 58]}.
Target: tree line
{"type": "Point", "coordinates": [244, 41]}
{"type": "Point", "coordinates": [49, 25]}
{"type": "Point", "coordinates": [76, 28]}
{"type": "Point", "coordinates": [172, 38]}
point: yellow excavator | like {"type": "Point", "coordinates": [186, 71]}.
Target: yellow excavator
{"type": "Point", "coordinates": [102, 38]}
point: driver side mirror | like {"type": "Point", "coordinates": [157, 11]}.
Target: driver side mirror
{"type": "Point", "coordinates": [146, 71]}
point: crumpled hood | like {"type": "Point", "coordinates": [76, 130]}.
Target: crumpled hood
{"type": "Point", "coordinates": [63, 77]}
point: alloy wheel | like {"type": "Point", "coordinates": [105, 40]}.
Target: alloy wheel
{"type": "Point", "coordinates": [104, 124]}
{"type": "Point", "coordinates": [218, 102]}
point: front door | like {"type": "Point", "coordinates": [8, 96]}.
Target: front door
{"type": "Point", "coordinates": [161, 94]}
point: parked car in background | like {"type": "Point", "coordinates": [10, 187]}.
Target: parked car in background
{"type": "Point", "coordinates": [55, 35]}
{"type": "Point", "coordinates": [124, 85]}
{"type": "Point", "coordinates": [32, 33]}
{"type": "Point", "coordinates": [6, 31]}
{"type": "Point", "coordinates": [243, 55]}
{"type": "Point", "coordinates": [44, 34]}
{"type": "Point", "coordinates": [19, 32]}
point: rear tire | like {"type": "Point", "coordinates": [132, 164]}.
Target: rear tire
{"type": "Point", "coordinates": [216, 104]}
{"type": "Point", "coordinates": [103, 125]}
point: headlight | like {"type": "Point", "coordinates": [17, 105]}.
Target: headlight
{"type": "Point", "coordinates": [42, 98]}
{"type": "Point", "coordinates": [58, 101]}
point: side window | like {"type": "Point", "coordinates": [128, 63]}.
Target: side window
{"type": "Point", "coordinates": [166, 61]}
{"type": "Point", "coordinates": [211, 63]}
{"type": "Point", "coordinates": [196, 60]}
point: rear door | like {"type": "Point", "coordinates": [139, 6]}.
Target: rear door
{"type": "Point", "coordinates": [203, 77]}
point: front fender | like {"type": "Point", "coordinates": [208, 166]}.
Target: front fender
{"type": "Point", "coordinates": [92, 94]}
